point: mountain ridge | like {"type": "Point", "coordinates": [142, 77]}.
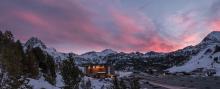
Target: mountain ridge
{"type": "Point", "coordinates": [41, 66]}
{"type": "Point", "coordinates": [96, 57]}
{"type": "Point", "coordinates": [206, 60]}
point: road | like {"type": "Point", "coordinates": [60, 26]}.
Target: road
{"type": "Point", "coordinates": [168, 86]}
{"type": "Point", "coordinates": [157, 81]}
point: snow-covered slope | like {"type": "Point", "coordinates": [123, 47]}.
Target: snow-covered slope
{"type": "Point", "coordinates": [207, 59]}
{"type": "Point", "coordinates": [41, 83]}
{"type": "Point", "coordinates": [92, 83]}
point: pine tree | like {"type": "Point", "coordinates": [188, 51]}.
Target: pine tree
{"type": "Point", "coordinates": [70, 73]}
{"type": "Point", "coordinates": [47, 65]}
{"type": "Point", "coordinates": [8, 37]}
{"type": "Point", "coordinates": [1, 38]}
{"type": "Point", "coordinates": [51, 70]}
{"type": "Point", "coordinates": [12, 54]}
{"type": "Point", "coordinates": [31, 65]}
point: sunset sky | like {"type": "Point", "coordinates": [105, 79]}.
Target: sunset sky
{"type": "Point", "coordinates": [123, 25]}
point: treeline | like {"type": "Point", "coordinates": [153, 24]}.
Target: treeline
{"type": "Point", "coordinates": [11, 57]}
{"type": "Point", "coordinates": [16, 65]}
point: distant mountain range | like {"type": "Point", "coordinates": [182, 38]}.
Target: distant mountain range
{"type": "Point", "coordinates": [178, 60]}
{"type": "Point", "coordinates": [33, 64]}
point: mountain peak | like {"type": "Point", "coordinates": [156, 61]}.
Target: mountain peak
{"type": "Point", "coordinates": [35, 42]}
{"type": "Point", "coordinates": [213, 37]}
{"type": "Point", "coordinates": [108, 51]}
{"type": "Point", "coordinates": [152, 53]}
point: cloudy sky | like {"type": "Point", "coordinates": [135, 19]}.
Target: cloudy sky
{"type": "Point", "coordinates": [122, 25]}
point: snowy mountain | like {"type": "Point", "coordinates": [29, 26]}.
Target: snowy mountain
{"type": "Point", "coordinates": [207, 60]}
{"type": "Point", "coordinates": [97, 57]}
{"type": "Point", "coordinates": [89, 57]}
{"type": "Point", "coordinates": [213, 37]}
{"type": "Point", "coordinates": [35, 42]}
{"type": "Point", "coordinates": [153, 60]}
{"type": "Point", "coordinates": [153, 54]}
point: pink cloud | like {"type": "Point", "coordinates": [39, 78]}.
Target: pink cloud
{"type": "Point", "coordinates": [185, 21]}
{"type": "Point", "coordinates": [215, 25]}
{"type": "Point", "coordinates": [125, 23]}
{"type": "Point", "coordinates": [32, 18]}
{"type": "Point", "coordinates": [75, 26]}
{"type": "Point", "coordinates": [141, 37]}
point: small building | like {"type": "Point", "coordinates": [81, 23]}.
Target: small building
{"type": "Point", "coordinates": [98, 70]}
